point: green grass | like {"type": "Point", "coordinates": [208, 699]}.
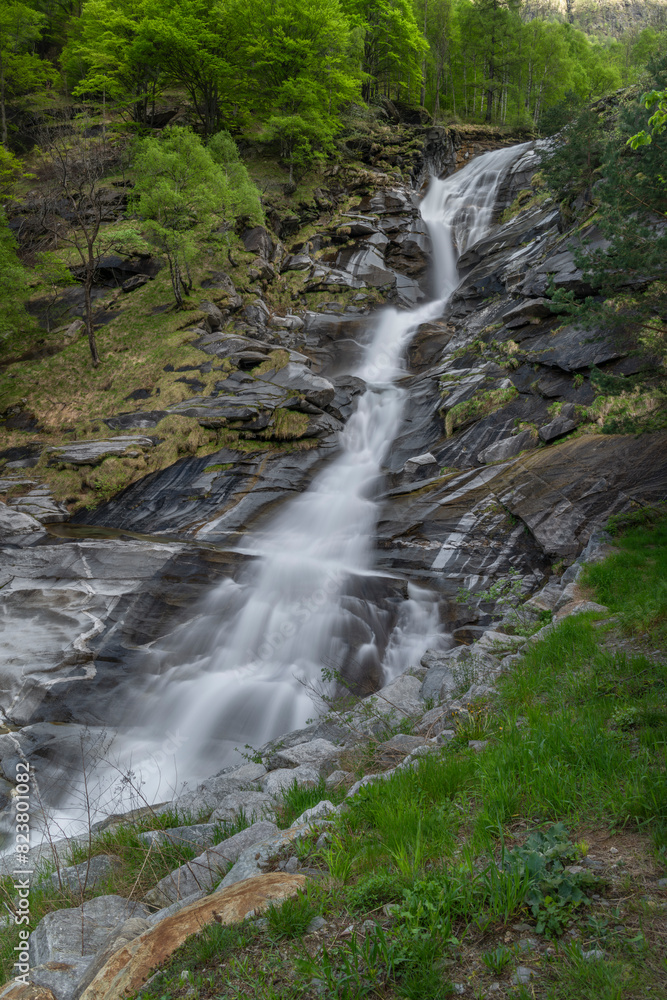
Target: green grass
{"type": "Point", "coordinates": [633, 582]}
{"type": "Point", "coordinates": [424, 876]}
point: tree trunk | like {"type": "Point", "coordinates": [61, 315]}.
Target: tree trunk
{"type": "Point", "coordinates": [90, 330]}
{"type": "Point", "coordinates": [3, 110]}
{"type": "Point", "coordinates": [423, 90]}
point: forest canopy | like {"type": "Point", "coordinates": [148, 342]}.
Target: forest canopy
{"type": "Point", "coordinates": [290, 68]}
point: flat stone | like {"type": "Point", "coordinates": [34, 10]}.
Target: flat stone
{"type": "Point", "coordinates": [523, 975]}
{"type": "Point", "coordinates": [315, 925]}
{"type": "Point", "coordinates": [254, 805]}
{"type": "Point", "coordinates": [283, 778]}
{"type": "Point", "coordinates": [94, 452]}
{"type": "Point", "coordinates": [14, 523]}
{"type": "Point", "coordinates": [319, 754]}
{"type": "Point", "coordinates": [87, 875]}
{"type": "Point", "coordinates": [201, 874]}
{"type": "Point", "coordinates": [556, 429]}
{"type": "Point", "coordinates": [198, 835]}
{"type": "Point", "coordinates": [128, 968]}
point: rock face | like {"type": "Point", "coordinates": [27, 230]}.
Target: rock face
{"type": "Point", "coordinates": [126, 969]}
{"type": "Point", "coordinates": [499, 461]}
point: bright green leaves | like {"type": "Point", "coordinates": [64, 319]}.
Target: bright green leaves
{"type": "Point", "coordinates": [180, 185]}
{"type": "Point", "coordinates": [657, 122]}
{"type": "Point", "coordinates": [13, 283]}
{"type": "Point", "coordinates": [21, 71]}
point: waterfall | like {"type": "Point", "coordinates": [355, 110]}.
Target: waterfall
{"type": "Point", "coordinates": [244, 670]}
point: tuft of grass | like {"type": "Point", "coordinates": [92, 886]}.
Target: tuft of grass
{"type": "Point", "coordinates": [291, 918]}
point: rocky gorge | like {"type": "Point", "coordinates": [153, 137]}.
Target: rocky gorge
{"type": "Point", "coordinates": [498, 462]}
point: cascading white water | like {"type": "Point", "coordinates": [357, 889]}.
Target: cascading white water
{"type": "Point", "coordinates": [243, 672]}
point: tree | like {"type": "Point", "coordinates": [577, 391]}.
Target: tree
{"type": "Point", "coordinates": [628, 274]}
{"type": "Point", "coordinates": [190, 43]}
{"type": "Point", "coordinates": [13, 282]}
{"type": "Point", "coordinates": [297, 58]}
{"type": "Point", "coordinates": [657, 122]}
{"type": "Point", "coordinates": [80, 161]}
{"type": "Point", "coordinates": [110, 53]}
{"type": "Point", "coordinates": [393, 47]}
{"type": "Point", "coordinates": [20, 69]}
{"type": "Point", "coordinates": [178, 186]}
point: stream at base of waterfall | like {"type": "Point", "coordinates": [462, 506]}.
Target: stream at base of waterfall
{"type": "Point", "coordinates": [248, 667]}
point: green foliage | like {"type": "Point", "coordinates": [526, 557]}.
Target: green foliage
{"type": "Point", "coordinates": [657, 122]}
{"type": "Point", "coordinates": [498, 959]}
{"type": "Point", "coordinates": [632, 583]}
{"type": "Point", "coordinates": [291, 918]}
{"type": "Point", "coordinates": [628, 274]}
{"type": "Point", "coordinates": [13, 284]}
{"type": "Point", "coordinates": [180, 185]}
{"type": "Point", "coordinates": [21, 70]}
{"type": "Point", "coordinates": [479, 406]}
{"type": "Point", "coordinates": [554, 892]}
{"type": "Point", "coordinates": [297, 798]}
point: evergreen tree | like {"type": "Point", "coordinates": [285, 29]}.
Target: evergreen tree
{"type": "Point", "coordinates": [629, 274]}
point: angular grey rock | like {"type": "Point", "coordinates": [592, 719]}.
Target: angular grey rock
{"type": "Point", "coordinates": [197, 835]}
{"type": "Point", "coordinates": [545, 599]}
{"type": "Point", "coordinates": [206, 796]}
{"type": "Point", "coordinates": [13, 522]}
{"type": "Point", "coordinates": [316, 924]}
{"type": "Point", "coordinates": [580, 608]}
{"type": "Point", "coordinates": [87, 875]}
{"type": "Point", "coordinates": [94, 452]}
{"type": "Point", "coordinates": [478, 745]}
{"type": "Point", "coordinates": [336, 778]}
{"type": "Point", "coordinates": [283, 778]}
{"type": "Point", "coordinates": [420, 462]}
{"type": "Point", "coordinates": [557, 428]}
{"type": "Point", "coordinates": [214, 317]}
{"type": "Point", "coordinates": [527, 310]}
{"type": "Point", "coordinates": [475, 692]}
{"type": "Point", "coordinates": [439, 682]}
{"type": "Point", "coordinates": [300, 379]}
{"type": "Point", "coordinates": [320, 811]}
{"type": "Point", "coordinates": [253, 805]}
{"type": "Point", "coordinates": [168, 911]}
{"type": "Point", "coordinates": [251, 861]}
{"type": "Point", "coordinates": [398, 747]}
{"type": "Point", "coordinates": [567, 595]}
{"type": "Point", "coordinates": [523, 975]}
{"type": "Point", "coordinates": [200, 874]}
{"type": "Point", "coordinates": [400, 698]}
{"type": "Point", "coordinates": [65, 943]}
{"type": "Point", "coordinates": [319, 754]}
{"type": "Point", "coordinates": [507, 447]}
{"type": "Point", "coordinates": [431, 722]}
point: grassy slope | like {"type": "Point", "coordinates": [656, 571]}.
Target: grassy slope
{"type": "Point", "coordinates": [576, 752]}
{"type": "Point", "coordinates": [574, 768]}
{"type": "Point", "coordinates": [464, 867]}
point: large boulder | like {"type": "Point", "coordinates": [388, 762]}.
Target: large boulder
{"type": "Point", "coordinates": [201, 874]}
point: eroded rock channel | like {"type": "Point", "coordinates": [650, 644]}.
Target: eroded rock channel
{"type": "Point", "coordinates": [450, 439]}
